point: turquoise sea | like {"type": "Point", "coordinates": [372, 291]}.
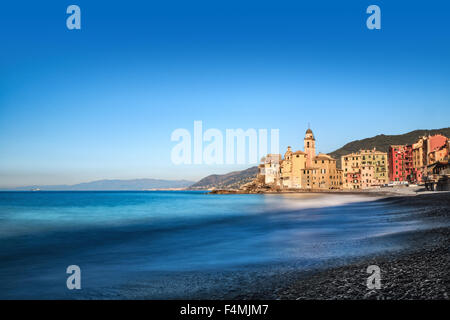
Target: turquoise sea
{"type": "Point", "coordinates": [136, 237]}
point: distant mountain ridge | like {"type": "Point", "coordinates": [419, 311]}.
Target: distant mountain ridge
{"type": "Point", "coordinates": [235, 179]}
{"type": "Point", "coordinates": [112, 185]}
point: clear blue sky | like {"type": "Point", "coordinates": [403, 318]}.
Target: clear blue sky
{"type": "Point", "coordinates": [102, 102]}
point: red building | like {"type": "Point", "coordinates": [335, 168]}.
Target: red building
{"type": "Point", "coordinates": [408, 162]}
{"type": "Point", "coordinates": [436, 142]}
{"type": "Point", "coordinates": [352, 180]}
{"type": "Point", "coordinates": [400, 163]}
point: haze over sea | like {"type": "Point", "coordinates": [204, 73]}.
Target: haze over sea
{"type": "Point", "coordinates": [152, 238]}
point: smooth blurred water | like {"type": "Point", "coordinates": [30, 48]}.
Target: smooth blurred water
{"type": "Point", "coordinates": [114, 236]}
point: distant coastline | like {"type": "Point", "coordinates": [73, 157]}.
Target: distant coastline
{"type": "Point", "coordinates": [111, 185]}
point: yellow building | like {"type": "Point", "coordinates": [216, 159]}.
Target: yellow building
{"type": "Point", "coordinates": [370, 167]}
{"type": "Point", "coordinates": [306, 170]}
{"type": "Point", "coordinates": [286, 169]}
{"type": "Point", "coordinates": [340, 177]}
{"type": "Point", "coordinates": [321, 174]}
{"type": "Point", "coordinates": [419, 154]}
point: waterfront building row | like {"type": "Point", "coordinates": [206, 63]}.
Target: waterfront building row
{"type": "Point", "coordinates": [366, 168]}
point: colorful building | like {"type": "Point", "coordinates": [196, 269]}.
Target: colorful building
{"type": "Point", "coordinates": [369, 167]}
{"type": "Point", "coordinates": [352, 180]}
{"type": "Point", "coordinates": [367, 176]}
{"type": "Point", "coordinates": [409, 162]}
{"type": "Point", "coordinates": [401, 163]}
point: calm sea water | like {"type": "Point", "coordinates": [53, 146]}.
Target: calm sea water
{"type": "Point", "coordinates": [115, 237]}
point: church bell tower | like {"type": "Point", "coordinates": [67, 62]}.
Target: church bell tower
{"type": "Point", "coordinates": [310, 147]}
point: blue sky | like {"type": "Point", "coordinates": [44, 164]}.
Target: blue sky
{"type": "Point", "coordinates": [102, 102]}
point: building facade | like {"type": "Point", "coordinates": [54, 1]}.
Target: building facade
{"type": "Point", "coordinates": [365, 169]}
{"type": "Point", "coordinates": [352, 180]}
{"type": "Point", "coordinates": [409, 162]}
{"type": "Point", "coordinates": [321, 174]}
{"type": "Point", "coordinates": [305, 169]}
{"type": "Point", "coordinates": [271, 168]}
{"type": "Point", "coordinates": [401, 166]}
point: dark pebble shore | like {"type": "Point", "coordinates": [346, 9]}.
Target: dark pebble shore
{"type": "Point", "coordinates": [422, 271]}
{"type": "Point", "coordinates": [422, 274]}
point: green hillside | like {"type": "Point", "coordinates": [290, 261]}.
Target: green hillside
{"type": "Point", "coordinates": [382, 142]}
{"type": "Point", "coordinates": [232, 180]}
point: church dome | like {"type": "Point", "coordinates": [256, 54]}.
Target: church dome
{"type": "Point", "coordinates": [309, 134]}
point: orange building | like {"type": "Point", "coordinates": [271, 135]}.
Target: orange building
{"type": "Point", "coordinates": [428, 150]}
